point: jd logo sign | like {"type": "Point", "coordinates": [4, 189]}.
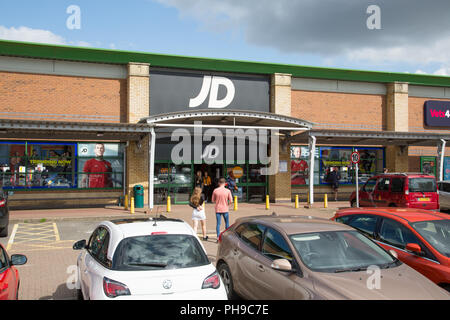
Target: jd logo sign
{"type": "Point", "coordinates": [211, 86]}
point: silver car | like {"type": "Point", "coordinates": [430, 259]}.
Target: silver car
{"type": "Point", "coordinates": [444, 195]}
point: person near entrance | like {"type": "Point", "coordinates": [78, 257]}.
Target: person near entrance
{"type": "Point", "coordinates": [197, 203]}
{"type": "Point", "coordinates": [231, 182]}
{"type": "Point", "coordinates": [222, 198]}
{"type": "Point", "coordinates": [333, 178]}
{"type": "Point", "coordinates": [99, 170]}
{"type": "Point", "coordinates": [207, 186]}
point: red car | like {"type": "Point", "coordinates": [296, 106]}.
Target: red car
{"type": "Point", "coordinates": [9, 276]}
{"type": "Point", "coordinates": [421, 238]}
{"type": "Point", "coordinates": [407, 190]}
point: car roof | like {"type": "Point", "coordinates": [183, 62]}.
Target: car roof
{"type": "Point", "coordinates": [294, 224]}
{"type": "Point", "coordinates": [406, 214]}
{"type": "Point", "coordinates": [404, 174]}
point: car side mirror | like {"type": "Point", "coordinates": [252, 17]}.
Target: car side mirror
{"type": "Point", "coordinates": [18, 259]}
{"type": "Point", "coordinates": [281, 265]}
{"type": "Point", "coordinates": [394, 253]}
{"type": "Point", "coordinates": [79, 245]}
{"type": "Point", "coordinates": [414, 248]}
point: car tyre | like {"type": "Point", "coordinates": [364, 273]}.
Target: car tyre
{"type": "Point", "coordinates": [79, 294]}
{"type": "Point", "coordinates": [4, 232]}
{"type": "Point", "coordinates": [227, 279]}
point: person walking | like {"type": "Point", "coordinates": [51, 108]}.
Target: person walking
{"type": "Point", "coordinates": [198, 214]}
{"type": "Point", "coordinates": [333, 179]}
{"type": "Point", "coordinates": [222, 198]}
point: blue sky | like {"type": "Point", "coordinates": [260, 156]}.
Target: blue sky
{"type": "Point", "coordinates": [301, 32]}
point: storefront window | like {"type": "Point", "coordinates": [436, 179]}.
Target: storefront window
{"type": "Point", "coordinates": [34, 165]}
{"type": "Point", "coordinates": [254, 173]}
{"type": "Point", "coordinates": [372, 163]}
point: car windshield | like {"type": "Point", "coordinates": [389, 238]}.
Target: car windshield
{"type": "Point", "coordinates": [437, 234]}
{"type": "Point", "coordinates": [158, 252]}
{"type": "Point", "coordinates": [422, 185]}
{"type": "Point", "coordinates": [340, 251]}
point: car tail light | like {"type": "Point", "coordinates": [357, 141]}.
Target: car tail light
{"type": "Point", "coordinates": [158, 232]}
{"type": "Point", "coordinates": [212, 281]}
{"type": "Point", "coordinates": [2, 203]}
{"type": "Point", "coordinates": [114, 289]}
{"type": "Point", "coordinates": [220, 235]}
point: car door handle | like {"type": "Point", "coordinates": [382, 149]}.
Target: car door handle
{"type": "Point", "coordinates": [261, 268]}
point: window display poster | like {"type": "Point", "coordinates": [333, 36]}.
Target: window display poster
{"type": "Point", "coordinates": [446, 168]}
{"type": "Point", "coordinates": [101, 165]}
{"type": "Point", "coordinates": [428, 165]}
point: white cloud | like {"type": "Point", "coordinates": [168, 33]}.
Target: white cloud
{"type": "Point", "coordinates": [37, 35]}
{"type": "Point", "coordinates": [30, 35]}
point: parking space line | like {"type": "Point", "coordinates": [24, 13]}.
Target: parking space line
{"type": "Point", "coordinates": [55, 228]}
{"type": "Point", "coordinates": [11, 238]}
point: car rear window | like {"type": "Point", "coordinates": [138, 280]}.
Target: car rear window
{"type": "Point", "coordinates": [158, 252]}
{"type": "Point", "coordinates": [3, 263]}
{"type": "Point", "coordinates": [422, 185]}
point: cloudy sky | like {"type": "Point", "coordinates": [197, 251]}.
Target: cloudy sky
{"type": "Point", "coordinates": [386, 35]}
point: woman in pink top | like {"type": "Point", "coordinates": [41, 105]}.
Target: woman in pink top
{"type": "Point", "coordinates": [222, 198]}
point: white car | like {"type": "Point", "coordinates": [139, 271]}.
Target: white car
{"type": "Point", "coordinates": [156, 258]}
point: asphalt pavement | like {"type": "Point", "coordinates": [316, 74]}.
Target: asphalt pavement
{"type": "Point", "coordinates": [46, 237]}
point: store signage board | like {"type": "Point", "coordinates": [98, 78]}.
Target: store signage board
{"type": "Point", "coordinates": [174, 90]}
{"type": "Point", "coordinates": [437, 113]}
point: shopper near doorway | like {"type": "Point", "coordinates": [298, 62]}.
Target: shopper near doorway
{"type": "Point", "coordinates": [222, 198]}
{"type": "Point", "coordinates": [198, 214]}
{"type": "Point", "coordinates": [333, 178]}
{"type": "Point", "coordinates": [207, 186]}
{"type": "Point", "coordinates": [198, 182]}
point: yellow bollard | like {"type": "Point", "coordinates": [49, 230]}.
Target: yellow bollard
{"type": "Point", "coordinates": [235, 203]}
{"type": "Point", "coordinates": [168, 204]}
{"type": "Point", "coordinates": [308, 199]}
{"type": "Point", "coordinates": [126, 202]}
{"type": "Point", "coordinates": [267, 203]}
{"type": "Point", "coordinates": [132, 205]}
{"type": "Point", "coordinates": [325, 201]}
{"type": "Point", "coordinates": [296, 201]}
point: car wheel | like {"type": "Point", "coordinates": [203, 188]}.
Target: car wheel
{"type": "Point", "coordinates": [79, 294]}
{"type": "Point", "coordinates": [4, 232]}
{"type": "Point", "coordinates": [225, 275]}
{"type": "Point", "coordinates": [392, 205]}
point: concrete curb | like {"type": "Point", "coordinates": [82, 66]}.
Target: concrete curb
{"type": "Point", "coordinates": [93, 218]}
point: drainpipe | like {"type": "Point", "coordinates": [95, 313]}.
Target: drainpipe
{"type": "Point", "coordinates": [441, 160]}
{"type": "Point", "coordinates": [312, 150]}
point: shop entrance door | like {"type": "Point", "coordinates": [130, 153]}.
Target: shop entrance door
{"type": "Point", "coordinates": [214, 172]}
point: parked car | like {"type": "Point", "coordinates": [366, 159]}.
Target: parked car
{"type": "Point", "coordinates": [293, 257]}
{"type": "Point", "coordinates": [421, 238]}
{"type": "Point", "coordinates": [157, 258]}
{"type": "Point", "coordinates": [9, 276]}
{"type": "Point", "coordinates": [4, 213]}
{"type": "Point", "coordinates": [444, 195]}
{"type": "Point", "coordinates": [410, 190]}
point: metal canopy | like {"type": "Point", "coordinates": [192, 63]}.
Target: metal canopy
{"type": "Point", "coordinates": [365, 138]}
{"type": "Point", "coordinates": [229, 118]}
{"type": "Point", "coordinates": [30, 129]}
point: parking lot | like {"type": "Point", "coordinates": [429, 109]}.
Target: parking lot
{"type": "Point", "coordinates": [47, 243]}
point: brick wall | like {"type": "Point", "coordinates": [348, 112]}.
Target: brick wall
{"type": "Point", "coordinates": [345, 111]}
{"type": "Point", "coordinates": [62, 98]}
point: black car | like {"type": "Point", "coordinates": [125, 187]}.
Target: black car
{"type": "Point", "coordinates": [4, 213]}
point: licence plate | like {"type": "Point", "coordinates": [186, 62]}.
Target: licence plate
{"type": "Point", "coordinates": [423, 199]}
